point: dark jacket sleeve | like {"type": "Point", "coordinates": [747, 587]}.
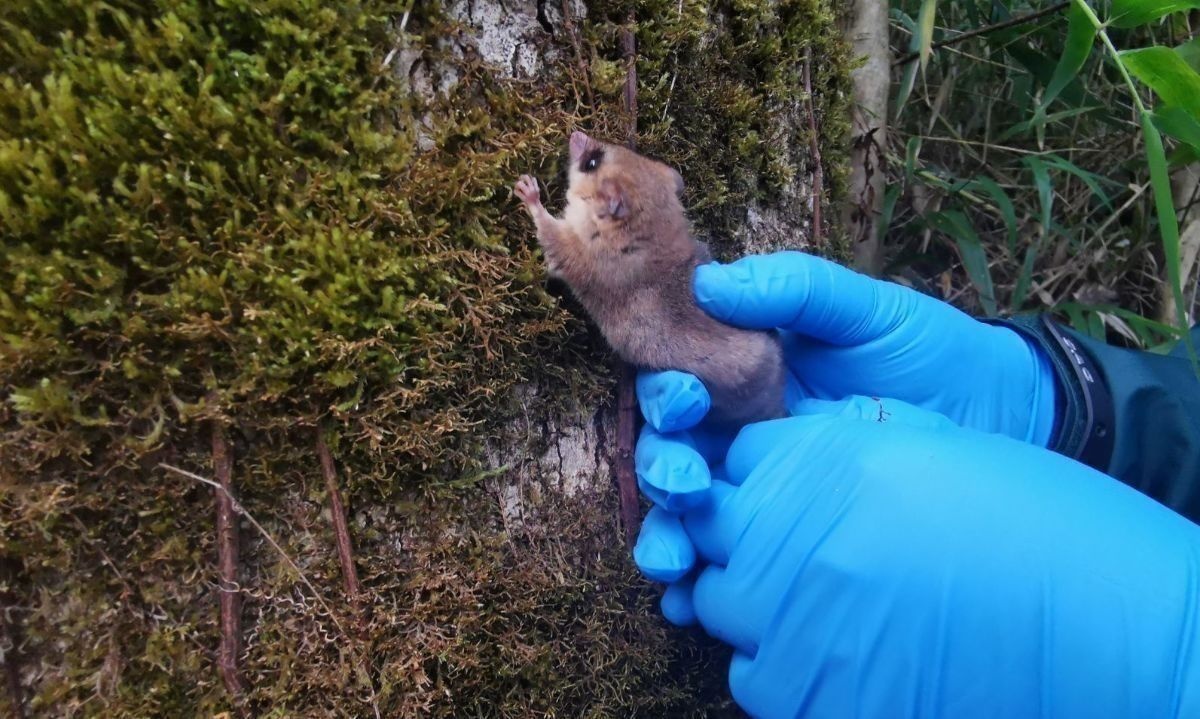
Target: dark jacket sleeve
{"type": "Point", "coordinates": [1133, 415]}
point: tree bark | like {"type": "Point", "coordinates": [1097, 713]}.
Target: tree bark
{"type": "Point", "coordinates": [868, 35]}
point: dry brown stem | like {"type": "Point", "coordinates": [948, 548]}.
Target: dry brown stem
{"type": "Point", "coordinates": [227, 564]}
{"type": "Point", "coordinates": [629, 52]}
{"type": "Point", "coordinates": [626, 398]}
{"type": "Point", "coordinates": [341, 531]}
{"type": "Point", "coordinates": [627, 490]}
{"type": "Point", "coordinates": [333, 617]}
{"type": "Point", "coordinates": [580, 61]}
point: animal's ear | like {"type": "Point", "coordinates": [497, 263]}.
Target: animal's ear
{"type": "Point", "coordinates": [612, 200]}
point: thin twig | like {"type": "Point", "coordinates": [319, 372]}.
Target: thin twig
{"type": "Point", "coordinates": [629, 52]}
{"type": "Point", "coordinates": [261, 530]}
{"type": "Point", "coordinates": [400, 38]}
{"type": "Point", "coordinates": [953, 50]}
{"type": "Point", "coordinates": [278, 548]}
{"type": "Point", "coordinates": [83, 532]}
{"type": "Point", "coordinates": [1008, 148]}
{"type": "Point", "coordinates": [340, 531]}
{"type": "Point", "coordinates": [387, 60]}
{"type": "Point", "coordinates": [814, 151]}
{"type": "Point", "coordinates": [1137, 191]}
{"type": "Point", "coordinates": [674, 67]}
{"type": "Point", "coordinates": [1011, 22]}
{"type": "Point", "coordinates": [580, 62]}
{"type": "Point", "coordinates": [627, 493]}
{"type": "Point", "coordinates": [227, 566]}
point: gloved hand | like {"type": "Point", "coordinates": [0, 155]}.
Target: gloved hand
{"type": "Point", "coordinates": [847, 334]}
{"type": "Point", "coordinates": [869, 558]}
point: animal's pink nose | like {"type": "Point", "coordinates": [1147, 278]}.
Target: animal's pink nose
{"type": "Point", "coordinates": [579, 142]}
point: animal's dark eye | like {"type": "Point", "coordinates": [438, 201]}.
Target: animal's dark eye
{"type": "Point", "coordinates": [591, 161]}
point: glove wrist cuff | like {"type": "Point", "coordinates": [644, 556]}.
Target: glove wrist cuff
{"type": "Point", "coordinates": [1084, 427]}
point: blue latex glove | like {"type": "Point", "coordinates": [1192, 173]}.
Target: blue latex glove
{"type": "Point", "coordinates": [847, 334]}
{"type": "Point", "coordinates": [868, 558]}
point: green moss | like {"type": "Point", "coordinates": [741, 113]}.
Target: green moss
{"type": "Point", "coordinates": [237, 198]}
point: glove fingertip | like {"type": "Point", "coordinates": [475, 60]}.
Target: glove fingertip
{"type": "Point", "coordinates": [741, 680]}
{"type": "Point", "coordinates": [675, 500]}
{"type": "Point", "coordinates": [676, 604]}
{"type": "Point", "coordinates": [663, 551]}
{"type": "Point", "coordinates": [672, 400]}
{"type": "Point", "coordinates": [670, 471]}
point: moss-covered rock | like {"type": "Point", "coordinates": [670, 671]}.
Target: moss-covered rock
{"type": "Point", "coordinates": [285, 215]}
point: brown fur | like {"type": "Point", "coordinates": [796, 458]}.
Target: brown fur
{"type": "Point", "coordinates": [624, 248]}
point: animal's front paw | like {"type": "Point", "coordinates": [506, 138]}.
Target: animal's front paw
{"type": "Point", "coordinates": [526, 190]}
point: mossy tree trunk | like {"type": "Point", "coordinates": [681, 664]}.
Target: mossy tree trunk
{"type": "Point", "coordinates": [296, 218]}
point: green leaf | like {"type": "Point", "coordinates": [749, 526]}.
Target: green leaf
{"type": "Point", "coordinates": [923, 38]}
{"type": "Point", "coordinates": [1150, 332]}
{"type": "Point", "coordinates": [956, 224]}
{"type": "Point", "coordinates": [1040, 119]}
{"type": "Point", "coordinates": [1075, 317]}
{"type": "Point", "coordinates": [1167, 74]}
{"type": "Point", "coordinates": [1095, 326]}
{"type": "Point", "coordinates": [1007, 211]}
{"type": "Point", "coordinates": [1081, 33]}
{"type": "Point", "coordinates": [907, 80]}
{"type": "Point", "coordinates": [1183, 156]}
{"type": "Point", "coordinates": [912, 149]}
{"type": "Point", "coordinates": [1178, 124]}
{"type": "Point", "coordinates": [1131, 13]}
{"type": "Point", "coordinates": [1025, 278]}
{"type": "Point", "coordinates": [1040, 66]}
{"type": "Point", "coordinates": [889, 207]}
{"type": "Point", "coordinates": [1168, 227]}
{"type": "Point", "coordinates": [1189, 52]}
{"type": "Point", "coordinates": [922, 43]}
{"type": "Point", "coordinates": [1041, 180]}
{"type": "Point", "coordinates": [1091, 179]}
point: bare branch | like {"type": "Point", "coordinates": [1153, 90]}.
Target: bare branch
{"type": "Point", "coordinates": [338, 511]}
{"type": "Point", "coordinates": [284, 555]}
{"type": "Point", "coordinates": [229, 597]}
{"type": "Point", "coordinates": [629, 52]}
{"type": "Point", "coordinates": [1011, 22]}
{"type": "Point", "coordinates": [627, 492]}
